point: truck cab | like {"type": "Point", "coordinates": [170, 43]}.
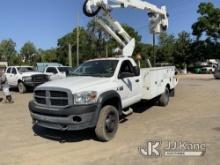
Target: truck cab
{"type": "Point", "coordinates": [58, 72]}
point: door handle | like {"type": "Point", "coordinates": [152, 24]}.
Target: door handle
{"type": "Point", "coordinates": [137, 80]}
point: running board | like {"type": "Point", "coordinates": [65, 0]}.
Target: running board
{"type": "Point", "coordinates": [128, 112]}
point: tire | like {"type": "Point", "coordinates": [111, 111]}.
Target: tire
{"type": "Point", "coordinates": [164, 98]}
{"type": "Point", "coordinates": [172, 93]}
{"type": "Point", "coordinates": [107, 124]}
{"type": "Point", "coordinates": [21, 87]}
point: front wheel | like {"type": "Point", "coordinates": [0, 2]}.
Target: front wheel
{"type": "Point", "coordinates": [164, 98]}
{"type": "Point", "coordinates": [21, 87]}
{"type": "Point", "coordinates": [107, 124]}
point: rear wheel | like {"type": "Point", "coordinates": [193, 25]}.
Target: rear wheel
{"type": "Point", "coordinates": [21, 87]}
{"type": "Point", "coordinates": [164, 98]}
{"type": "Point", "coordinates": [107, 124]}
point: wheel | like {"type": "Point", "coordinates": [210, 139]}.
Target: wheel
{"type": "Point", "coordinates": [164, 98]}
{"type": "Point", "coordinates": [21, 87]}
{"type": "Point", "coordinates": [94, 11]}
{"type": "Point", "coordinates": [172, 93]}
{"type": "Point", "coordinates": [107, 124]}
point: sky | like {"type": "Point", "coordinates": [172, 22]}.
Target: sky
{"type": "Point", "coordinates": [43, 22]}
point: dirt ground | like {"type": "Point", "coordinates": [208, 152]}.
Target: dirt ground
{"type": "Point", "coordinates": [192, 115]}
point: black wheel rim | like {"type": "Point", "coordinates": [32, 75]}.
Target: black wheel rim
{"type": "Point", "coordinates": [110, 122]}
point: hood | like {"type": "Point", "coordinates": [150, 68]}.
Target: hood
{"type": "Point", "coordinates": [77, 83]}
{"type": "Point", "coordinates": [31, 73]}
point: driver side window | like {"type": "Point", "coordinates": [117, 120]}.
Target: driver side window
{"type": "Point", "coordinates": [126, 70]}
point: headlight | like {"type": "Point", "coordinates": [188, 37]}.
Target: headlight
{"type": "Point", "coordinates": [89, 97]}
{"type": "Point", "coordinates": [27, 78]}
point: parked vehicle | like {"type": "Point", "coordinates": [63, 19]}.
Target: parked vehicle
{"type": "Point", "coordinates": [58, 72]}
{"type": "Point", "coordinates": [100, 92]}
{"type": "Point", "coordinates": [40, 66]}
{"type": "Point", "coordinates": [24, 77]}
{"type": "Point", "coordinates": [103, 89]}
{"type": "Point", "coordinates": [209, 69]}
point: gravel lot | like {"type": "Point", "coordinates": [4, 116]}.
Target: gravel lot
{"type": "Point", "coordinates": [193, 115]}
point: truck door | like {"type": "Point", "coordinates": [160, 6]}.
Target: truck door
{"type": "Point", "coordinates": [129, 86]}
{"type": "Point", "coordinates": [9, 75]}
{"type": "Point", "coordinates": [14, 77]}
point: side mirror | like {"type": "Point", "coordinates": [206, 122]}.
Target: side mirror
{"type": "Point", "coordinates": [136, 70]}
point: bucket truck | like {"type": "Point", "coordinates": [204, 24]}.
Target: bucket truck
{"type": "Point", "coordinates": [103, 90]}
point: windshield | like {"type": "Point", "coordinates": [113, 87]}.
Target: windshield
{"type": "Point", "coordinates": [97, 68]}
{"type": "Point", "coordinates": [68, 70]}
{"type": "Point", "coordinates": [25, 69]}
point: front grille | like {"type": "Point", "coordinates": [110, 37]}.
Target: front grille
{"type": "Point", "coordinates": [58, 94]}
{"type": "Point", "coordinates": [51, 98]}
{"type": "Point", "coordinates": [59, 102]}
{"type": "Point", "coordinates": [40, 93]}
{"type": "Point", "coordinates": [40, 100]}
{"type": "Point", "coordinates": [39, 78]}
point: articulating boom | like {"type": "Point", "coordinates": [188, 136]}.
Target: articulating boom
{"type": "Point", "coordinates": [158, 18]}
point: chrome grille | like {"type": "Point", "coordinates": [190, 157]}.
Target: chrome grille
{"type": "Point", "coordinates": [52, 98]}
{"type": "Point", "coordinates": [58, 94]}
{"type": "Point", "coordinates": [40, 78]}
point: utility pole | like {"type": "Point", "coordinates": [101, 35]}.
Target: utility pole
{"type": "Point", "coordinates": [70, 55]}
{"type": "Point", "coordinates": [77, 40]}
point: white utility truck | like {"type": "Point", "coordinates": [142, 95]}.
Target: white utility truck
{"type": "Point", "coordinates": [58, 72]}
{"type": "Point", "coordinates": [24, 77]}
{"type": "Point", "coordinates": [104, 89]}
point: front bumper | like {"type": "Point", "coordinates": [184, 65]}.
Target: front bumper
{"type": "Point", "coordinates": [32, 84]}
{"type": "Point", "coordinates": [70, 118]}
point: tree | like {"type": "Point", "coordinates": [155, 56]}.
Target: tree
{"type": "Point", "coordinates": [49, 55]}
{"type": "Point", "coordinates": [208, 23]}
{"type": "Point", "coordinates": [98, 39]}
{"type": "Point", "coordinates": [166, 50]}
{"type": "Point", "coordinates": [70, 38]}
{"type": "Point", "coordinates": [7, 51]}
{"type": "Point", "coordinates": [207, 32]}
{"type": "Point", "coordinates": [183, 53]}
{"type": "Point", "coordinates": [29, 53]}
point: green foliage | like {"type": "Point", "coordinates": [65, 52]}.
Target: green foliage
{"type": "Point", "coordinates": [183, 53]}
{"type": "Point", "coordinates": [207, 32]}
{"type": "Point", "coordinates": [29, 53]}
{"type": "Point", "coordinates": [208, 24]}
{"type": "Point", "coordinates": [71, 38]}
{"type": "Point", "coordinates": [7, 51]}
{"type": "Point", "coordinates": [166, 50]}
{"type": "Point", "coordinates": [49, 55]}
{"type": "Point", "coordinates": [95, 42]}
